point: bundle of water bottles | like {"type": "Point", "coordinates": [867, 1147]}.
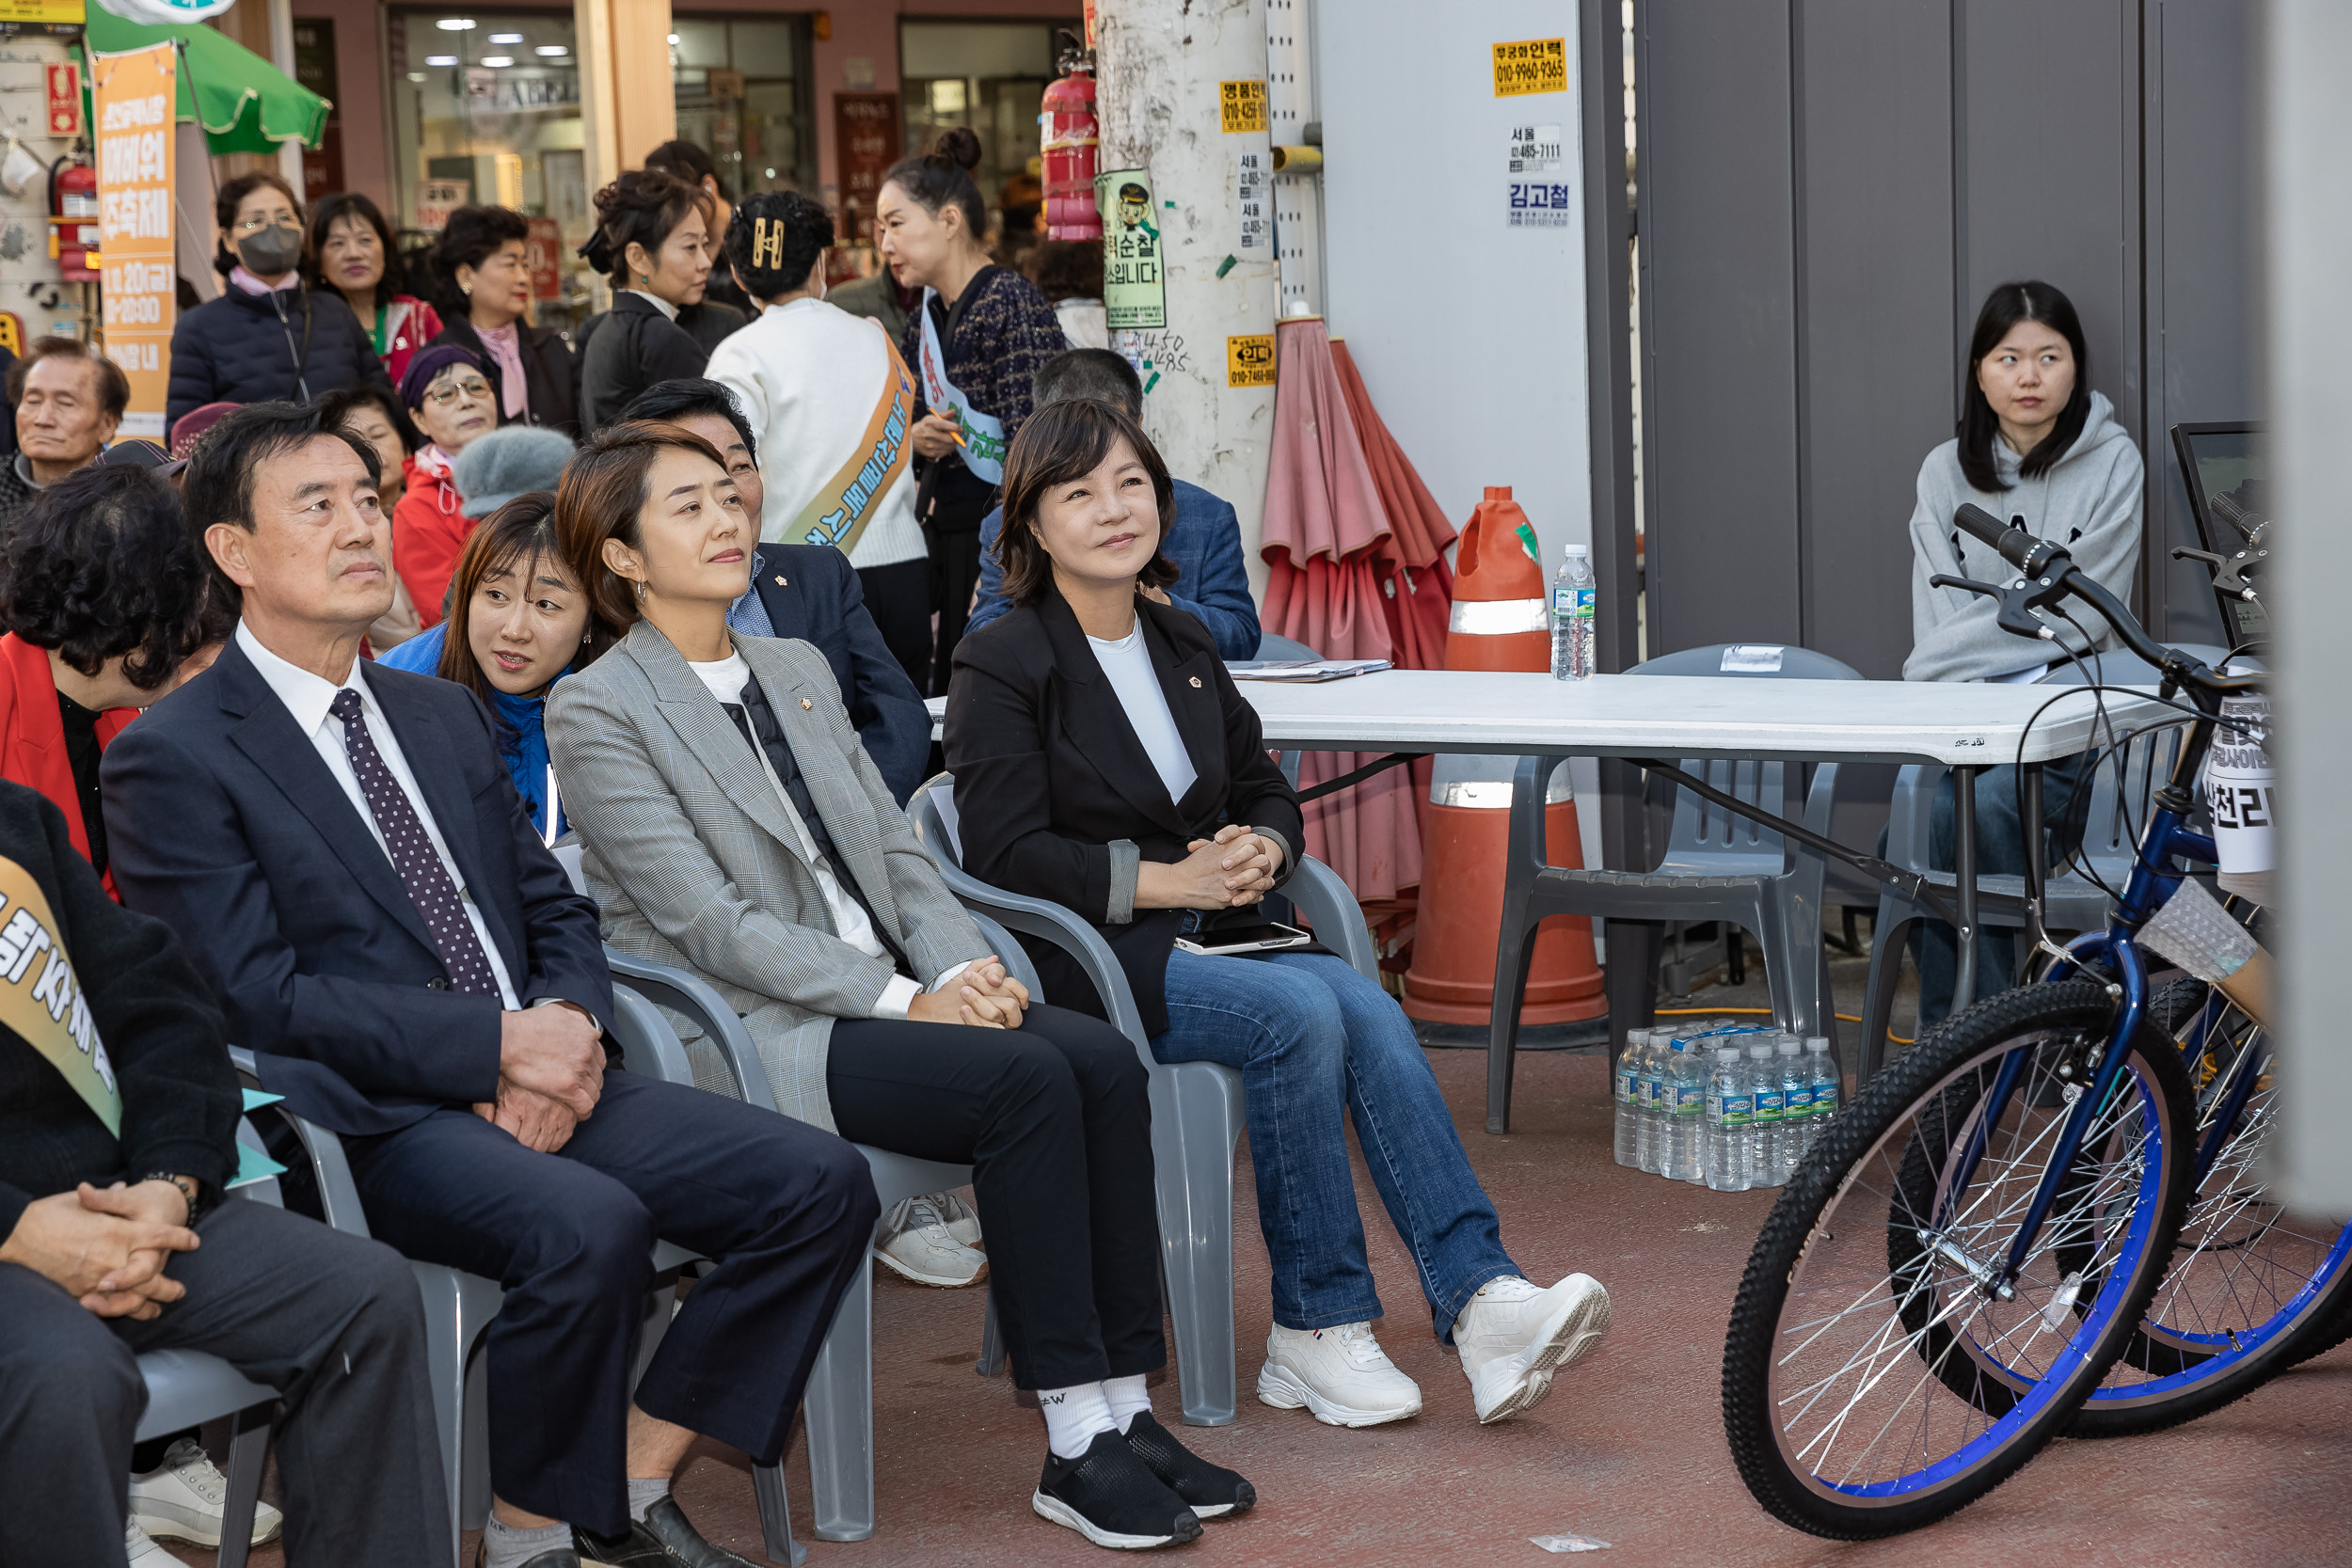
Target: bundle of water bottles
{"type": "Point", "coordinates": [1720, 1105]}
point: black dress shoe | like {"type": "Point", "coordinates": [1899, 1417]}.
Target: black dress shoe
{"type": "Point", "coordinates": [1111, 1498]}
{"type": "Point", "coordinates": [1214, 1491]}
{"type": "Point", "coordinates": [664, 1538]}
{"type": "Point", "coordinates": [559, 1557]}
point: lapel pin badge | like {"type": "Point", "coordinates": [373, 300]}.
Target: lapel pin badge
{"type": "Point", "coordinates": [781, 583]}
{"type": "Point", "coordinates": [1196, 681]}
{"type": "Point", "coordinates": [806, 704]}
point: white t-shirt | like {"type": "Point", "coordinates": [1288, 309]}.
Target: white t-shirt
{"type": "Point", "coordinates": [727, 679]}
{"type": "Point", "coordinates": [1128, 663]}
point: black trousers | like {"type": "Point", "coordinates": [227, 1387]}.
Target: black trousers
{"type": "Point", "coordinates": [955, 574]}
{"type": "Point", "coordinates": [899, 597]}
{"type": "Point", "coordinates": [1055, 1122]}
{"type": "Point", "coordinates": [787, 1209]}
{"type": "Point", "coordinates": [331, 1321]}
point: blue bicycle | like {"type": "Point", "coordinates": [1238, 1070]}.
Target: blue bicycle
{"type": "Point", "coordinates": [2046, 1217]}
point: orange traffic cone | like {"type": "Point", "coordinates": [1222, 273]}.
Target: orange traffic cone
{"type": "Point", "coordinates": [1499, 622]}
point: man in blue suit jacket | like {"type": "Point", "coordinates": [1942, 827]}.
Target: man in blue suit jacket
{"type": "Point", "coordinates": [1204, 542]}
{"type": "Point", "coordinates": [342, 854]}
{"type": "Point", "coordinates": [808, 592]}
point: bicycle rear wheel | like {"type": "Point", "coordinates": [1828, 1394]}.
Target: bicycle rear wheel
{"type": "Point", "coordinates": [2251, 1284]}
{"type": "Point", "coordinates": [1874, 1380]}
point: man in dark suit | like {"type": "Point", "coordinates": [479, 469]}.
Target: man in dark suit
{"type": "Point", "coordinates": [343, 855]}
{"type": "Point", "coordinates": [809, 592]}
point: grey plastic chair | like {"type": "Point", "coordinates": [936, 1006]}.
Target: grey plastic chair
{"type": "Point", "coordinates": [2071, 902]}
{"type": "Point", "coordinates": [1717, 867]}
{"type": "Point", "coordinates": [1197, 1107]}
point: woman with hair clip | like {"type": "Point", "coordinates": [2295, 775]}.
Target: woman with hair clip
{"type": "Point", "coordinates": [1104, 759]}
{"type": "Point", "coordinates": [481, 283]}
{"type": "Point", "coordinates": [266, 338]}
{"type": "Point", "coordinates": [351, 250]}
{"type": "Point", "coordinates": [2037, 445]}
{"type": "Point", "coordinates": [653, 239]}
{"type": "Point", "coordinates": [731, 823]}
{"type": "Point", "coordinates": [830, 400]}
{"type": "Point", "coordinates": [974, 344]}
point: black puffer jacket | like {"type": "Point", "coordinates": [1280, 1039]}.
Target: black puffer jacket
{"type": "Point", "coordinates": [245, 348]}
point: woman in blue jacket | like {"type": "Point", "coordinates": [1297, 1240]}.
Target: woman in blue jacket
{"type": "Point", "coordinates": [517, 621]}
{"type": "Point", "coordinates": [266, 338]}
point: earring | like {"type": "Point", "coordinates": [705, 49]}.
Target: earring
{"type": "Point", "coordinates": [465, 288]}
{"type": "Point", "coordinates": [640, 588]}
{"type": "Point", "coordinates": [643, 278]}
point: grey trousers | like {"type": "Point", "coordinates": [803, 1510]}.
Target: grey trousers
{"type": "Point", "coordinates": [332, 1321]}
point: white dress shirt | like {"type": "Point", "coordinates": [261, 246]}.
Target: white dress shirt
{"type": "Point", "coordinates": [306, 697]}
{"type": "Point", "coordinates": [1128, 663]}
{"type": "Point", "coordinates": [726, 680]}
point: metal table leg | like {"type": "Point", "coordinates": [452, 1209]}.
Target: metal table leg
{"type": "Point", "coordinates": [2037, 870]}
{"type": "Point", "coordinates": [1965, 881]}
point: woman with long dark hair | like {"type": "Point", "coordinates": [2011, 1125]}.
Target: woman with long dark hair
{"type": "Point", "coordinates": [351, 252]}
{"type": "Point", "coordinates": [654, 240]}
{"type": "Point", "coordinates": [974, 344]}
{"type": "Point", "coordinates": [482, 284]}
{"type": "Point", "coordinates": [2035, 445]}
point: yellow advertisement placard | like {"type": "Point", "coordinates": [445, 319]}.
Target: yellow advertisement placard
{"type": "Point", "coordinates": [1249, 361]}
{"type": "Point", "coordinates": [1241, 106]}
{"type": "Point", "coordinates": [68, 12]}
{"type": "Point", "coordinates": [1530, 64]}
{"type": "Point", "coordinates": [131, 97]}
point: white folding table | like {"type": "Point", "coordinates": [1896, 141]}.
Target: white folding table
{"type": "Point", "coordinates": [1659, 722]}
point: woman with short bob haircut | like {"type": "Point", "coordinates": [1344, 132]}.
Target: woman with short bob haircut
{"type": "Point", "coordinates": [1105, 760]}
{"type": "Point", "coordinates": [653, 241]}
{"type": "Point", "coordinates": [480, 271]}
{"type": "Point", "coordinates": [2036, 446]}
{"type": "Point", "coordinates": [730, 823]}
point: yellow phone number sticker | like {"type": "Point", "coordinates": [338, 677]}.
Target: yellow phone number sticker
{"type": "Point", "coordinates": [1249, 361]}
{"type": "Point", "coordinates": [1535, 64]}
{"type": "Point", "coordinates": [1241, 106]}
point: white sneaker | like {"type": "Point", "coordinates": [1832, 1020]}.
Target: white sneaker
{"type": "Point", "coordinates": [1342, 1374]}
{"type": "Point", "coordinates": [143, 1552]}
{"type": "Point", "coordinates": [916, 1242]}
{"type": "Point", "coordinates": [183, 1500]}
{"type": "Point", "coordinates": [1513, 1337]}
{"type": "Point", "coordinates": [963, 1223]}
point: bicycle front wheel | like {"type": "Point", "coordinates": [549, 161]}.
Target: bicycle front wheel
{"type": "Point", "coordinates": [1880, 1373]}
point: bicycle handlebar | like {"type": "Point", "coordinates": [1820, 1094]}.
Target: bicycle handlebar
{"type": "Point", "coordinates": [2013, 543]}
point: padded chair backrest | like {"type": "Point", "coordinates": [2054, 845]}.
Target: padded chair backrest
{"type": "Point", "coordinates": [1272, 647]}
{"type": "Point", "coordinates": [1706, 839]}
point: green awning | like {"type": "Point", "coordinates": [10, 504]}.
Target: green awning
{"type": "Point", "coordinates": [244, 104]}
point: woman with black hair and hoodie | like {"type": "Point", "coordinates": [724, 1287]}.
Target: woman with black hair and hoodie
{"type": "Point", "coordinates": [2036, 446]}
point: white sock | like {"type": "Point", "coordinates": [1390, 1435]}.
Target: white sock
{"type": "Point", "coordinates": [505, 1546]}
{"type": "Point", "coordinates": [1074, 1417]}
{"type": "Point", "coordinates": [1127, 1398]}
{"type": "Point", "coordinates": [643, 1495]}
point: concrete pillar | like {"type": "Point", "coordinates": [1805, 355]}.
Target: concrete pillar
{"type": "Point", "coordinates": [1161, 65]}
{"type": "Point", "coordinates": [282, 55]}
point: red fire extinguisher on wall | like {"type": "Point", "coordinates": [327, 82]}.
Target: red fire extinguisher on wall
{"type": "Point", "coordinates": [1066, 136]}
{"type": "Point", "coordinates": [73, 218]}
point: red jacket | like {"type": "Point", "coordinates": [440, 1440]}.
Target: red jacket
{"type": "Point", "coordinates": [31, 733]}
{"type": "Point", "coordinates": [429, 533]}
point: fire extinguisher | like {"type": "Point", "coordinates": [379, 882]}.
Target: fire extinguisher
{"type": "Point", "coordinates": [1066, 136]}
{"type": "Point", "coordinates": [73, 218]}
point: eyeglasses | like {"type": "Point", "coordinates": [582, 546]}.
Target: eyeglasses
{"type": "Point", "coordinates": [254, 226]}
{"type": "Point", "coordinates": [472, 387]}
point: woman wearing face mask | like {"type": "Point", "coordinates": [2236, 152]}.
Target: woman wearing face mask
{"type": "Point", "coordinates": [653, 240]}
{"type": "Point", "coordinates": [448, 395]}
{"type": "Point", "coordinates": [2035, 444]}
{"type": "Point", "coordinates": [826, 391]}
{"type": "Point", "coordinates": [375, 417]}
{"type": "Point", "coordinates": [517, 619]}
{"type": "Point", "coordinates": [482, 285]}
{"type": "Point", "coordinates": [267, 338]}
{"type": "Point", "coordinates": [351, 250]}
{"type": "Point", "coordinates": [975, 345]}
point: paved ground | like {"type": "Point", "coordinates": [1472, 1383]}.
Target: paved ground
{"type": "Point", "coordinates": [1628, 1449]}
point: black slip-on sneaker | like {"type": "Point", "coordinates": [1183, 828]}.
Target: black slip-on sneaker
{"type": "Point", "coordinates": [1211, 1491]}
{"type": "Point", "coordinates": [1111, 1498]}
{"type": "Point", "coordinates": [664, 1538]}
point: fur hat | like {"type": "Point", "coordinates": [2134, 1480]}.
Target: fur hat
{"type": "Point", "coordinates": [513, 460]}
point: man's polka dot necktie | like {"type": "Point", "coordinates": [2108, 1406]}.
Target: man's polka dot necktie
{"type": "Point", "coordinates": [413, 855]}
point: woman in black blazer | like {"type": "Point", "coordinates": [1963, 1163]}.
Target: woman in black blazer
{"type": "Point", "coordinates": [1105, 759]}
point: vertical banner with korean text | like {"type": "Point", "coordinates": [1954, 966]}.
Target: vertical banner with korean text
{"type": "Point", "coordinates": [132, 98]}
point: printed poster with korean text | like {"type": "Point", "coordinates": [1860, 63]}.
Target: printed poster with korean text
{"type": "Point", "coordinates": [132, 97]}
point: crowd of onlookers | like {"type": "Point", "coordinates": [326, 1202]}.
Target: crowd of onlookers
{"type": "Point", "coordinates": [438, 653]}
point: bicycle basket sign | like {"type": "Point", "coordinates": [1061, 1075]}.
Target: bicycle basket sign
{"type": "Point", "coordinates": [2240, 793]}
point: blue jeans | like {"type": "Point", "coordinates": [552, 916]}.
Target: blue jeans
{"type": "Point", "coordinates": [2000, 851]}
{"type": "Point", "coordinates": [1308, 1033]}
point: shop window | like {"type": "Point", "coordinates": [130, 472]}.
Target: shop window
{"type": "Point", "coordinates": [740, 97]}
{"type": "Point", "coordinates": [989, 76]}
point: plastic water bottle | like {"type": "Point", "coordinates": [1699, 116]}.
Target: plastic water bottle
{"type": "Point", "coordinates": [1764, 1143]}
{"type": "Point", "coordinates": [1686, 1102]}
{"type": "Point", "coordinates": [1627, 1077]}
{"type": "Point", "coordinates": [1828, 1081]}
{"type": "Point", "coordinates": [1730, 1121]}
{"type": "Point", "coordinates": [1574, 593]}
{"type": "Point", "coordinates": [1649, 1092]}
{"type": "Point", "coordinates": [1796, 1105]}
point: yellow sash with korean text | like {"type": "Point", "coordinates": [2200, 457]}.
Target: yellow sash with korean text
{"type": "Point", "coordinates": [42, 999]}
{"type": "Point", "coordinates": [843, 505]}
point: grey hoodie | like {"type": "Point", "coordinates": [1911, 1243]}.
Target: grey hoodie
{"type": "Point", "coordinates": [2089, 500]}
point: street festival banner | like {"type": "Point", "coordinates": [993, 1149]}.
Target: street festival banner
{"type": "Point", "coordinates": [132, 96]}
